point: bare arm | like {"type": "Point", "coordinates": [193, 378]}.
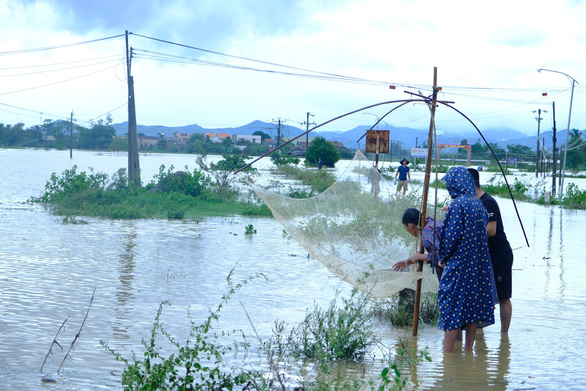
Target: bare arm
{"type": "Point", "coordinates": [491, 229]}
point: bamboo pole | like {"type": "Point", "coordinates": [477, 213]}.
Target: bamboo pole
{"type": "Point", "coordinates": [424, 203]}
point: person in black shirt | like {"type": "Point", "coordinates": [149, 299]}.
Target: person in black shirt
{"type": "Point", "coordinates": [500, 251]}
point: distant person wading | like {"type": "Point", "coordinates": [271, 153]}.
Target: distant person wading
{"type": "Point", "coordinates": [404, 175]}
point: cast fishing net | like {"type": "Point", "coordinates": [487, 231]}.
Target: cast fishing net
{"type": "Point", "coordinates": [354, 228]}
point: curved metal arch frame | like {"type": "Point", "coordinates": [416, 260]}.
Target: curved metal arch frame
{"type": "Point", "coordinates": [402, 102]}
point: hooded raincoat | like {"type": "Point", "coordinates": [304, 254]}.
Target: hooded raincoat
{"type": "Point", "coordinates": [466, 290]}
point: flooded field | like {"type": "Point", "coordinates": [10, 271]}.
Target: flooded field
{"type": "Point", "coordinates": [49, 270]}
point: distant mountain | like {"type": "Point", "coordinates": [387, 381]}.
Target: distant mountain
{"type": "Point", "coordinates": [407, 136]}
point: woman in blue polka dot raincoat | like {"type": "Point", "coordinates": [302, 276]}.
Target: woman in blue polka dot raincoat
{"type": "Point", "coordinates": [466, 293]}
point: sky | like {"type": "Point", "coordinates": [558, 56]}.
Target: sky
{"type": "Point", "coordinates": [227, 63]}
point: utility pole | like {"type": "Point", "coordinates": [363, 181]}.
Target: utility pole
{"type": "Point", "coordinates": [555, 157]}
{"type": "Point", "coordinates": [278, 122]}
{"type": "Point", "coordinates": [133, 163]}
{"type": "Point", "coordinates": [307, 124]}
{"type": "Point", "coordinates": [538, 132]}
{"type": "Point", "coordinates": [71, 137]}
{"type": "Point", "coordinates": [415, 159]}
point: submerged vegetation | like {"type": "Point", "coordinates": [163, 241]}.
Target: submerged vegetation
{"type": "Point", "coordinates": [173, 195]}
{"type": "Point", "coordinates": [523, 190]}
{"type": "Point", "coordinates": [306, 358]}
{"type": "Point", "coordinates": [211, 190]}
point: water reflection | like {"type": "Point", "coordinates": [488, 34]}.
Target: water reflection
{"type": "Point", "coordinates": [125, 270]}
{"type": "Point", "coordinates": [483, 369]}
{"type": "Point", "coordinates": [561, 255]}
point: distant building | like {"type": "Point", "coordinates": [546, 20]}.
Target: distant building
{"type": "Point", "coordinates": [180, 138]}
{"type": "Point", "coordinates": [297, 151]}
{"type": "Point", "coordinates": [300, 142]}
{"type": "Point", "coordinates": [246, 138]}
{"type": "Point", "coordinates": [217, 137]}
{"type": "Point", "coordinates": [145, 142]}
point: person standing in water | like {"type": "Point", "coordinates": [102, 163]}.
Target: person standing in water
{"type": "Point", "coordinates": [403, 173]}
{"type": "Point", "coordinates": [466, 291]}
{"type": "Point", "coordinates": [501, 253]}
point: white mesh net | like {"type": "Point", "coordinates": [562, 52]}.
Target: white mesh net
{"type": "Point", "coordinates": [354, 229]}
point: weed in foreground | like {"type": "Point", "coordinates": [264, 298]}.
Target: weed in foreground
{"type": "Point", "coordinates": [195, 365]}
{"type": "Point", "coordinates": [338, 332]}
{"type": "Point", "coordinates": [399, 308]}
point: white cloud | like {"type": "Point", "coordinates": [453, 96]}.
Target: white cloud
{"type": "Point", "coordinates": [486, 54]}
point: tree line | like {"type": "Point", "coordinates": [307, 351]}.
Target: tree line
{"type": "Point", "coordinates": [102, 136]}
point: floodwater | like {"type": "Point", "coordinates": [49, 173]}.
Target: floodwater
{"type": "Point", "coordinates": [50, 269]}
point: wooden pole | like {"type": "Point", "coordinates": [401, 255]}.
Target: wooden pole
{"type": "Point", "coordinates": [71, 137]}
{"type": "Point", "coordinates": [133, 162]}
{"type": "Point", "coordinates": [425, 195]}
{"type": "Point", "coordinates": [555, 156]}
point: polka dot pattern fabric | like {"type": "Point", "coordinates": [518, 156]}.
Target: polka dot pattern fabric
{"type": "Point", "coordinates": [466, 292]}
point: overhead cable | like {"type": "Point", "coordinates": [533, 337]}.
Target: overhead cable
{"type": "Point", "coordinates": [24, 51]}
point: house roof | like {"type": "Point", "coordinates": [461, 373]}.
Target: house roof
{"type": "Point", "coordinates": [220, 135]}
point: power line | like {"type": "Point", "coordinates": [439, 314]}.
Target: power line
{"type": "Point", "coordinates": [57, 82]}
{"type": "Point", "coordinates": [25, 51]}
{"type": "Point", "coordinates": [59, 63]}
{"type": "Point", "coordinates": [255, 60]}
{"type": "Point", "coordinates": [163, 57]}
{"type": "Point", "coordinates": [117, 60]}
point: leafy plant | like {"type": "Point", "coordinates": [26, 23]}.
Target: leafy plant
{"type": "Point", "coordinates": [574, 197]}
{"type": "Point", "coordinates": [249, 230]}
{"type": "Point", "coordinates": [393, 377]}
{"type": "Point", "coordinates": [344, 332]}
{"type": "Point", "coordinates": [278, 158]}
{"type": "Point", "coordinates": [193, 365]}
{"type": "Point", "coordinates": [321, 148]}
{"type": "Point", "coordinates": [170, 194]}
{"type": "Point", "coordinates": [70, 181]}
{"type": "Point", "coordinates": [185, 182]}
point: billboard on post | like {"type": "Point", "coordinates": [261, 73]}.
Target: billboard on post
{"type": "Point", "coordinates": [419, 152]}
{"type": "Point", "coordinates": [377, 141]}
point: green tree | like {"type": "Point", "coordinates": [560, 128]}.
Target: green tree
{"type": "Point", "coordinates": [461, 151]}
{"type": "Point", "coordinates": [521, 152]}
{"type": "Point", "coordinates": [119, 144]}
{"type": "Point", "coordinates": [14, 135]}
{"type": "Point", "coordinates": [256, 149]}
{"type": "Point", "coordinates": [479, 149]}
{"type": "Point", "coordinates": [195, 144]}
{"type": "Point", "coordinates": [232, 163]}
{"type": "Point", "coordinates": [99, 136]}
{"type": "Point", "coordinates": [321, 148]}
{"type": "Point", "coordinates": [263, 135]}
{"type": "Point", "coordinates": [279, 158]}
{"type": "Point", "coordinates": [498, 151]}
{"type": "Point", "coordinates": [576, 159]}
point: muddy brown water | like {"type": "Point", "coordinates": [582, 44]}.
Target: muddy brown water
{"type": "Point", "coordinates": [49, 270]}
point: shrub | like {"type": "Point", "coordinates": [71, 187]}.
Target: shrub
{"type": "Point", "coordinates": [71, 181]}
{"type": "Point", "coordinates": [189, 183]}
{"type": "Point", "coordinates": [574, 197]}
{"type": "Point", "coordinates": [399, 309]}
{"type": "Point", "coordinates": [193, 365]}
{"type": "Point", "coordinates": [335, 333]}
{"type": "Point", "coordinates": [279, 159]}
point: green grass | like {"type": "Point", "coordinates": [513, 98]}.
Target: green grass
{"type": "Point", "coordinates": [399, 308]}
{"type": "Point", "coordinates": [319, 180]}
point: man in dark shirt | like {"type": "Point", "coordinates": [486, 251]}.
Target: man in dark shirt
{"type": "Point", "coordinates": [500, 251]}
{"type": "Point", "coordinates": [404, 174]}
